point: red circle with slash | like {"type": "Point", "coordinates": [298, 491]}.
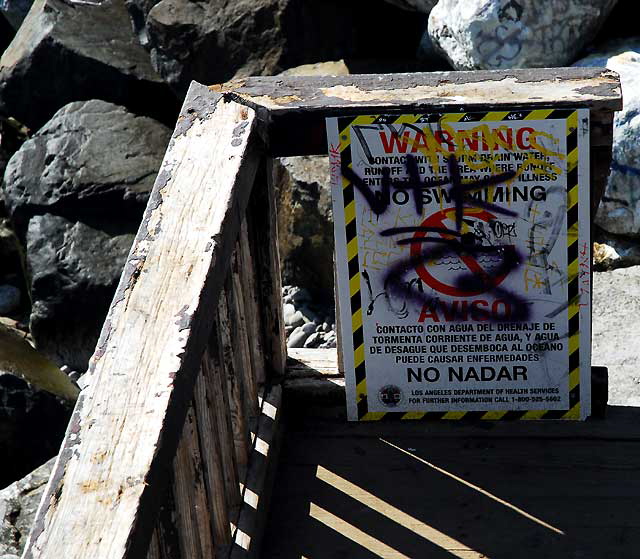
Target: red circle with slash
{"type": "Point", "coordinates": [438, 220]}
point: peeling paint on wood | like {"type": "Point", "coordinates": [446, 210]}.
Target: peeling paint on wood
{"type": "Point", "coordinates": [293, 108]}
{"type": "Point", "coordinates": [500, 87]}
{"type": "Point", "coordinates": [200, 103]}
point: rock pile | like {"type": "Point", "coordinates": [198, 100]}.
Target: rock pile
{"type": "Point", "coordinates": [307, 322]}
{"type": "Point", "coordinates": [616, 304]}
{"type": "Point", "coordinates": [33, 424]}
{"type": "Point", "coordinates": [619, 211]}
{"type": "Point", "coordinates": [52, 62]}
{"type": "Point", "coordinates": [214, 41]}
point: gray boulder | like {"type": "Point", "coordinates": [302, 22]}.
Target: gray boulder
{"type": "Point", "coordinates": [429, 56]}
{"type": "Point", "coordinates": [77, 191]}
{"type": "Point", "coordinates": [18, 505]}
{"type": "Point", "coordinates": [9, 299]}
{"type": "Point", "coordinates": [75, 268]}
{"type": "Point", "coordinates": [305, 222]}
{"type": "Point", "coordinates": [297, 338]}
{"type": "Point", "coordinates": [619, 210]}
{"type": "Point", "coordinates": [12, 136]}
{"type": "Point", "coordinates": [619, 24]}
{"type": "Point", "coordinates": [138, 12]}
{"type": "Point", "coordinates": [10, 250]}
{"type": "Point", "coordinates": [92, 157]}
{"type": "Point", "coordinates": [215, 40]}
{"type": "Point", "coordinates": [491, 34]}
{"type": "Point", "coordinates": [67, 51]}
{"type": "Point", "coordinates": [11, 271]}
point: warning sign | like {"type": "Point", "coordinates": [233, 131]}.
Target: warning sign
{"type": "Point", "coordinates": [462, 249]}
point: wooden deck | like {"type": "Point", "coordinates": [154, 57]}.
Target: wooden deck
{"type": "Point", "coordinates": [441, 490]}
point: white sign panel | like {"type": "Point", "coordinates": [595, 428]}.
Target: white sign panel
{"type": "Point", "coordinates": [463, 263]}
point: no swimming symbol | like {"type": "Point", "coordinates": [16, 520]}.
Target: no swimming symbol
{"type": "Point", "coordinates": [479, 264]}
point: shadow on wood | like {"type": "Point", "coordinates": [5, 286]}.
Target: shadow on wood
{"type": "Point", "coordinates": [491, 490]}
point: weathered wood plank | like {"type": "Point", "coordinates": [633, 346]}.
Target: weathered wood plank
{"type": "Point", "coordinates": [601, 133]}
{"type": "Point", "coordinates": [295, 107]}
{"type": "Point", "coordinates": [263, 237]}
{"type": "Point", "coordinates": [597, 87]}
{"type": "Point", "coordinates": [314, 388]}
{"type": "Point", "coordinates": [212, 451]}
{"type": "Point", "coordinates": [260, 476]}
{"type": "Point", "coordinates": [103, 496]}
{"type": "Point", "coordinates": [398, 491]}
{"type": "Point", "coordinates": [241, 339]}
{"type": "Point", "coordinates": [235, 387]}
{"type": "Point", "coordinates": [317, 397]}
{"type": "Point", "coordinates": [165, 542]}
{"type": "Point", "coordinates": [600, 162]}
{"type": "Point", "coordinates": [191, 503]}
{"type": "Point", "coordinates": [112, 475]}
{"type": "Point", "coordinates": [154, 551]}
{"type": "Point", "coordinates": [252, 309]}
{"type": "Point", "coordinates": [312, 363]}
{"type": "Point", "coordinates": [217, 384]}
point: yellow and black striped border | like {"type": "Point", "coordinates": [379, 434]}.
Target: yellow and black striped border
{"type": "Point", "coordinates": [570, 116]}
{"type": "Point", "coordinates": [353, 263]}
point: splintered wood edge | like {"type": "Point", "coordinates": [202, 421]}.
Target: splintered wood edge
{"type": "Point", "coordinates": [109, 478]}
{"type": "Point", "coordinates": [256, 488]}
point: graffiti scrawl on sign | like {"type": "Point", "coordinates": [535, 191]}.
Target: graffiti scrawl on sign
{"type": "Point", "coordinates": [462, 289]}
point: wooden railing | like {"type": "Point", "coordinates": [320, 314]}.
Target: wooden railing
{"type": "Point", "coordinates": [171, 440]}
{"type": "Point", "coordinates": [166, 453]}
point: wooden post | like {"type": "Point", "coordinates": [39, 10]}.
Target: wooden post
{"type": "Point", "coordinates": [239, 317]}
{"type": "Point", "coordinates": [165, 542]}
